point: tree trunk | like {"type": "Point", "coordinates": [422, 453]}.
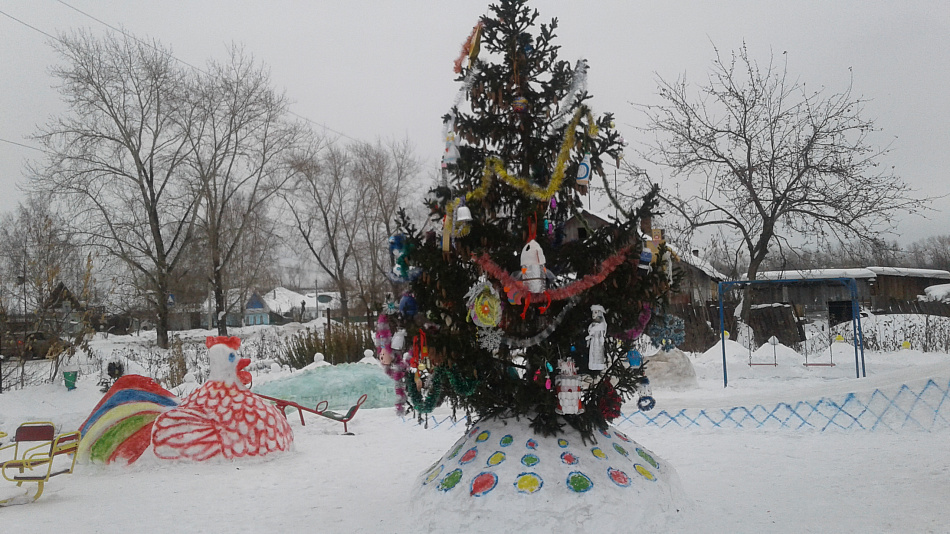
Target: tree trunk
{"type": "Point", "coordinates": [219, 304]}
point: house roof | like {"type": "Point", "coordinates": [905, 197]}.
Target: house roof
{"type": "Point", "coordinates": [816, 274]}
{"type": "Point", "coordinates": [903, 271]}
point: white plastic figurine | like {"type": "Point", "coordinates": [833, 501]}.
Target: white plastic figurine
{"type": "Point", "coordinates": [596, 333]}
{"type": "Point", "coordinates": [533, 272]}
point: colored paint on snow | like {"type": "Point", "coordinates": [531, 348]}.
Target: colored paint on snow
{"type": "Point", "coordinates": [507, 440]}
{"type": "Point", "coordinates": [568, 458]}
{"type": "Point", "coordinates": [456, 450]}
{"type": "Point", "coordinates": [598, 453]}
{"type": "Point", "coordinates": [528, 483]}
{"type": "Point", "coordinates": [434, 474]}
{"type": "Point", "coordinates": [622, 436]}
{"type": "Point", "coordinates": [579, 482]}
{"type": "Point", "coordinates": [450, 480]}
{"type": "Point", "coordinates": [483, 483]}
{"type": "Point", "coordinates": [530, 460]}
{"type": "Point", "coordinates": [496, 459]}
{"type": "Point", "coordinates": [620, 449]}
{"type": "Point", "coordinates": [483, 436]}
{"type": "Point", "coordinates": [531, 444]}
{"type": "Point", "coordinates": [605, 433]}
{"type": "Point", "coordinates": [562, 443]}
{"type": "Point", "coordinates": [468, 456]}
{"type": "Point", "coordinates": [644, 472]}
{"type": "Point", "coordinates": [646, 456]}
{"type": "Point", "coordinates": [618, 477]}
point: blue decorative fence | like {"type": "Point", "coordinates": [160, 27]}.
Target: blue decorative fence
{"type": "Point", "coordinates": [923, 407]}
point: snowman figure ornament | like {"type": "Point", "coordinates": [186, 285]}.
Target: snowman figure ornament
{"type": "Point", "coordinates": [596, 333]}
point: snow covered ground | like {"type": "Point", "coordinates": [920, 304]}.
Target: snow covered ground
{"type": "Point", "coordinates": [737, 480]}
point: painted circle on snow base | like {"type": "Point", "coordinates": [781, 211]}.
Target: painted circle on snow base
{"type": "Point", "coordinates": [483, 483]}
{"type": "Point", "coordinates": [531, 444]}
{"type": "Point", "coordinates": [450, 480]}
{"type": "Point", "coordinates": [618, 477]}
{"type": "Point", "coordinates": [605, 433]}
{"type": "Point", "coordinates": [528, 483]}
{"type": "Point", "coordinates": [622, 436]}
{"type": "Point", "coordinates": [468, 456]}
{"type": "Point", "coordinates": [620, 449]}
{"type": "Point", "coordinates": [644, 472]}
{"type": "Point", "coordinates": [562, 443]}
{"type": "Point", "coordinates": [649, 459]}
{"type": "Point", "coordinates": [455, 451]}
{"type": "Point", "coordinates": [433, 474]}
{"type": "Point", "coordinates": [473, 432]}
{"type": "Point", "coordinates": [483, 436]}
{"type": "Point", "coordinates": [598, 453]}
{"type": "Point", "coordinates": [507, 440]}
{"type": "Point", "coordinates": [496, 459]}
{"type": "Point", "coordinates": [530, 460]}
{"type": "Point", "coordinates": [568, 458]}
{"type": "Point", "coordinates": [579, 482]}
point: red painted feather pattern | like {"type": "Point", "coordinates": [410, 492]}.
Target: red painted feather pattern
{"type": "Point", "coordinates": [221, 419]}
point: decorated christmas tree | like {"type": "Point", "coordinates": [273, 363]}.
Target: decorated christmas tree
{"type": "Point", "coordinates": [515, 304]}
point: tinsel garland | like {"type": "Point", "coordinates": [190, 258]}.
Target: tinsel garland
{"type": "Point", "coordinates": [431, 400]}
{"type": "Point", "coordinates": [470, 47]}
{"type": "Point", "coordinates": [494, 166]}
{"type": "Point", "coordinates": [515, 289]}
{"type": "Point", "coordinates": [464, 386]}
{"type": "Point", "coordinates": [645, 313]}
{"type": "Point", "coordinates": [397, 371]}
{"type": "Point", "coordinates": [578, 85]}
{"type": "Point", "coordinates": [610, 403]}
{"type": "Point", "coordinates": [542, 335]}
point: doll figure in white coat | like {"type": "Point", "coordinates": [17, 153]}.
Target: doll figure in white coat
{"type": "Point", "coordinates": [596, 333]}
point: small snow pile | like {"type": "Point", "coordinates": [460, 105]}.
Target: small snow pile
{"type": "Point", "coordinates": [937, 293]}
{"type": "Point", "coordinates": [341, 385]}
{"type": "Point", "coordinates": [671, 369]}
{"type": "Point", "coordinates": [502, 477]}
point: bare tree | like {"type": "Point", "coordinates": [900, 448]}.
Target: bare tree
{"type": "Point", "coordinates": [239, 141]}
{"type": "Point", "coordinates": [326, 207]}
{"type": "Point", "coordinates": [116, 158]}
{"type": "Point", "coordinates": [770, 160]}
{"type": "Point", "coordinates": [386, 174]}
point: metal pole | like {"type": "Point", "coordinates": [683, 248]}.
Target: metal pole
{"type": "Point", "coordinates": [722, 337]}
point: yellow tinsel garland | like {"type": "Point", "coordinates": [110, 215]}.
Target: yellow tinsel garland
{"type": "Point", "coordinates": [494, 166]}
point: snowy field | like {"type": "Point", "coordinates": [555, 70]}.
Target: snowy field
{"type": "Point", "coordinates": [736, 480]}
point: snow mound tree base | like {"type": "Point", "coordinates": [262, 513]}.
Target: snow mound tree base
{"type": "Point", "coordinates": [502, 475]}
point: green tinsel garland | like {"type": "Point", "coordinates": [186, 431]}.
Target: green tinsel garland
{"type": "Point", "coordinates": [431, 400]}
{"type": "Point", "coordinates": [462, 385]}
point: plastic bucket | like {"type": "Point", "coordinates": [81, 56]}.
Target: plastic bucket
{"type": "Point", "coordinates": [69, 377]}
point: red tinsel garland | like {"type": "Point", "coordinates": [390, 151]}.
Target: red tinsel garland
{"type": "Point", "coordinates": [516, 290]}
{"type": "Point", "coordinates": [610, 403]}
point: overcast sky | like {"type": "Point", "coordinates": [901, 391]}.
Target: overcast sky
{"type": "Point", "coordinates": [383, 69]}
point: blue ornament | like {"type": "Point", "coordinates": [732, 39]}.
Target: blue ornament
{"type": "Point", "coordinates": [407, 306]}
{"type": "Point", "coordinates": [635, 358]}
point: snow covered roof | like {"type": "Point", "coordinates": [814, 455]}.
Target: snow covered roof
{"type": "Point", "coordinates": [703, 266]}
{"type": "Point", "coordinates": [903, 271]}
{"type": "Point", "coordinates": [282, 300]}
{"type": "Point", "coordinates": [816, 274]}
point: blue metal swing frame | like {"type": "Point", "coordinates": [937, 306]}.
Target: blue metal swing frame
{"type": "Point", "coordinates": [850, 283]}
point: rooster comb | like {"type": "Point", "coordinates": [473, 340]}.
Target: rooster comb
{"type": "Point", "coordinates": [232, 342]}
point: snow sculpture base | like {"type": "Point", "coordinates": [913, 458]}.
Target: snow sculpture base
{"type": "Point", "coordinates": [502, 477]}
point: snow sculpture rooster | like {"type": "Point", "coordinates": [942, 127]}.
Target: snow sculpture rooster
{"type": "Point", "coordinates": [222, 418]}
